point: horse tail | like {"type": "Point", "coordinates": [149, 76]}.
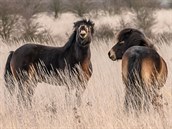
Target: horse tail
{"type": "Point", "coordinates": [134, 83]}
{"type": "Point", "coordinates": [8, 76]}
{"type": "Point", "coordinates": [7, 66]}
{"type": "Point", "coordinates": [134, 70]}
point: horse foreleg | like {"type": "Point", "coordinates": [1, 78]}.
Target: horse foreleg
{"type": "Point", "coordinates": [78, 94]}
{"type": "Point", "coordinates": [68, 96]}
{"type": "Point", "coordinates": [78, 98]}
{"type": "Point", "coordinates": [26, 92]}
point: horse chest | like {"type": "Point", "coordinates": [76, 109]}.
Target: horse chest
{"type": "Point", "coordinates": [85, 65]}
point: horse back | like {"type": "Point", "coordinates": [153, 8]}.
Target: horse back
{"type": "Point", "coordinates": [28, 56]}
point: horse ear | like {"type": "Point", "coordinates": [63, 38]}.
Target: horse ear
{"type": "Point", "coordinates": [75, 24]}
{"type": "Point", "coordinates": [90, 22]}
{"type": "Point", "coordinates": [130, 31]}
{"type": "Point", "coordinates": [93, 24]}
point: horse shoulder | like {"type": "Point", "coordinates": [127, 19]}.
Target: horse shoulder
{"type": "Point", "coordinates": [86, 66]}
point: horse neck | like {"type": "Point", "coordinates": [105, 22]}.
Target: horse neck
{"type": "Point", "coordinates": [82, 53]}
{"type": "Point", "coordinates": [75, 52]}
{"type": "Point", "coordinates": [149, 44]}
{"type": "Point", "coordinates": [78, 53]}
{"type": "Point", "coordinates": [71, 41]}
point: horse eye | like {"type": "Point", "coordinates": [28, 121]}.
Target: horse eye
{"type": "Point", "coordinates": [122, 42]}
{"type": "Point", "coordinates": [89, 28]}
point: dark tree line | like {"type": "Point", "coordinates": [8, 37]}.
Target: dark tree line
{"type": "Point", "coordinates": [20, 15]}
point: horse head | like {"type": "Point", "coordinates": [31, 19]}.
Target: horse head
{"type": "Point", "coordinates": [84, 32]}
{"type": "Point", "coordinates": [127, 38]}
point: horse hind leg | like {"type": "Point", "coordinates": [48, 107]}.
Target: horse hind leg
{"type": "Point", "coordinates": [27, 86]}
{"type": "Point", "coordinates": [12, 79]}
{"type": "Point", "coordinates": [8, 76]}
{"type": "Point", "coordinates": [24, 96]}
{"type": "Point", "coordinates": [26, 92]}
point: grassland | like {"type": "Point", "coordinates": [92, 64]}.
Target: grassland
{"type": "Point", "coordinates": [102, 102]}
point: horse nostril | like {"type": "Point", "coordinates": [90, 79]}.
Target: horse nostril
{"type": "Point", "coordinates": [82, 34]}
{"type": "Point", "coordinates": [109, 54]}
{"type": "Point", "coordinates": [112, 55]}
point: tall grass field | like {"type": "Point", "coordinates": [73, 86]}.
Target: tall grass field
{"type": "Point", "coordinates": [102, 101]}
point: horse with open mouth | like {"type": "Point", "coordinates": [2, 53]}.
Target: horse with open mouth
{"type": "Point", "coordinates": [23, 65]}
{"type": "Point", "coordinates": [144, 71]}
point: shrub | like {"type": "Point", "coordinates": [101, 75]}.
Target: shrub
{"type": "Point", "coordinates": [80, 7]}
{"type": "Point", "coordinates": [8, 19]}
{"type": "Point", "coordinates": [56, 6]}
{"type": "Point", "coordinates": [105, 31]}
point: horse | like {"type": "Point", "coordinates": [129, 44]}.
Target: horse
{"type": "Point", "coordinates": [144, 71]}
{"type": "Point", "coordinates": [23, 65]}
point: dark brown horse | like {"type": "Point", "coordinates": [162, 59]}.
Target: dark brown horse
{"type": "Point", "coordinates": [24, 64]}
{"type": "Point", "coordinates": [144, 71]}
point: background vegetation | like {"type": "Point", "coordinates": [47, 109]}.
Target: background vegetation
{"type": "Point", "coordinates": [18, 17]}
{"type": "Point", "coordinates": [50, 22]}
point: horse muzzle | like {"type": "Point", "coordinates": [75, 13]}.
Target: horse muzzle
{"type": "Point", "coordinates": [83, 34]}
{"type": "Point", "coordinates": [112, 55]}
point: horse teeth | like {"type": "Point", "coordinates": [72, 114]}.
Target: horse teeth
{"type": "Point", "coordinates": [83, 32]}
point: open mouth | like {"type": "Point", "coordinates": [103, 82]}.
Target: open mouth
{"type": "Point", "coordinates": [83, 34]}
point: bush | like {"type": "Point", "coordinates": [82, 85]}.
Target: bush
{"type": "Point", "coordinates": [145, 19]}
{"type": "Point", "coordinates": [33, 31]}
{"type": "Point", "coordinates": [8, 19]}
{"type": "Point", "coordinates": [105, 31]}
{"type": "Point", "coordinates": [80, 7]}
{"type": "Point", "coordinates": [56, 6]}
{"type": "Point", "coordinates": [165, 37]}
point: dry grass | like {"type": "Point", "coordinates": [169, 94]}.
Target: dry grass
{"type": "Point", "coordinates": [102, 106]}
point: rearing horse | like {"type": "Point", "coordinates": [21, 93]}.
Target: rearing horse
{"type": "Point", "coordinates": [22, 64]}
{"type": "Point", "coordinates": [144, 71]}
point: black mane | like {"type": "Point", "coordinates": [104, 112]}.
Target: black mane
{"type": "Point", "coordinates": [86, 22]}
{"type": "Point", "coordinates": [72, 38]}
